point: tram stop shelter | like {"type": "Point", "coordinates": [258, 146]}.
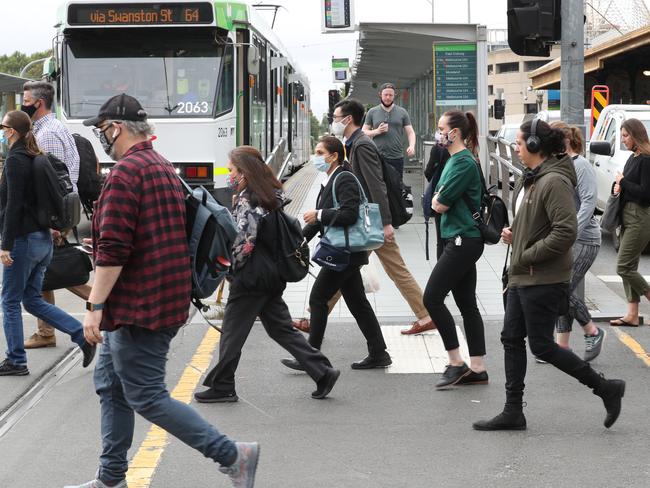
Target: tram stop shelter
{"type": "Point", "coordinates": [403, 54]}
{"type": "Point", "coordinates": [10, 85]}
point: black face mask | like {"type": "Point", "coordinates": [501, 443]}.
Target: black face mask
{"type": "Point", "coordinates": [387, 105]}
{"type": "Point", "coordinates": [29, 109]}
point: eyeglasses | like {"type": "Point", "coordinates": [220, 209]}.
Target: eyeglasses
{"type": "Point", "coordinates": [98, 131]}
{"type": "Point", "coordinates": [339, 117]}
{"type": "Point", "coordinates": [2, 126]}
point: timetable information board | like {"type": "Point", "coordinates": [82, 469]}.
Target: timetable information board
{"type": "Point", "coordinates": [454, 80]}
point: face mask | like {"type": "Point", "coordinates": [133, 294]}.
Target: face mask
{"type": "Point", "coordinates": [231, 182]}
{"type": "Point", "coordinates": [338, 128]}
{"type": "Point", "coordinates": [29, 109]}
{"type": "Point", "coordinates": [3, 138]}
{"type": "Point", "coordinates": [108, 146]}
{"type": "Point", "coordinates": [443, 139]}
{"type": "Point", "coordinates": [319, 162]}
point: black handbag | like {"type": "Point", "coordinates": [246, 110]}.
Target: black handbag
{"type": "Point", "coordinates": [611, 218]}
{"type": "Point", "coordinates": [70, 266]}
{"type": "Point", "coordinates": [331, 257]}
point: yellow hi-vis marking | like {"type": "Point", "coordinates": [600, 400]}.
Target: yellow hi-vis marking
{"type": "Point", "coordinates": [633, 345]}
{"type": "Point", "coordinates": [598, 96]}
{"type": "Point", "coordinates": [146, 460]}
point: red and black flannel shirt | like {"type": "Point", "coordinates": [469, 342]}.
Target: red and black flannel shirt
{"type": "Point", "coordinates": [139, 223]}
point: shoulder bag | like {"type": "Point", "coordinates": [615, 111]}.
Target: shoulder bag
{"type": "Point", "coordinates": [611, 218]}
{"type": "Point", "coordinates": [366, 234]}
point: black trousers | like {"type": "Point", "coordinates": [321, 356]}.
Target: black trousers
{"type": "Point", "coordinates": [455, 271]}
{"type": "Point", "coordinates": [532, 311]}
{"type": "Point", "coordinates": [240, 314]}
{"type": "Point", "coordinates": [350, 283]}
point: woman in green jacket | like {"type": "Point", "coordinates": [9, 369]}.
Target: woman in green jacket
{"type": "Point", "coordinates": [542, 235]}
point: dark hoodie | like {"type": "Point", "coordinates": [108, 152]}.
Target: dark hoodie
{"type": "Point", "coordinates": [545, 226]}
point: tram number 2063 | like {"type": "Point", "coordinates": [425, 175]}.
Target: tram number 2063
{"type": "Point", "coordinates": [193, 108]}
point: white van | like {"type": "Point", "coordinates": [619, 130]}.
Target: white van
{"type": "Point", "coordinates": [606, 151]}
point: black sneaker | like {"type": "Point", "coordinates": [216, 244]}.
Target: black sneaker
{"type": "Point", "coordinates": [594, 345]}
{"type": "Point", "coordinates": [474, 378]}
{"type": "Point", "coordinates": [214, 396]}
{"type": "Point", "coordinates": [452, 375]}
{"type": "Point", "coordinates": [503, 421]}
{"type": "Point", "coordinates": [369, 362]}
{"type": "Point", "coordinates": [326, 383]}
{"type": "Point", "coordinates": [8, 369]}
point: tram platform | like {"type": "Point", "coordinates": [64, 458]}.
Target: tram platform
{"type": "Point", "coordinates": [419, 354]}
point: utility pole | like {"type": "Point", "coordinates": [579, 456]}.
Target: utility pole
{"type": "Point", "coordinates": [572, 84]}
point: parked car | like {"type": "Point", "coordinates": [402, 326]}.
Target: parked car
{"type": "Point", "coordinates": [606, 151]}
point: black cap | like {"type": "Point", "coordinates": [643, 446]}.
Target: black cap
{"type": "Point", "coordinates": [387, 85]}
{"type": "Point", "coordinates": [120, 107]}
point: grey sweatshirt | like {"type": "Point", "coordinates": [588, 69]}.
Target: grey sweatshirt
{"type": "Point", "coordinates": [585, 197]}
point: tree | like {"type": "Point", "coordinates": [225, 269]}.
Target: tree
{"type": "Point", "coordinates": [324, 125]}
{"type": "Point", "coordinates": [314, 126]}
{"type": "Point", "coordinates": [12, 64]}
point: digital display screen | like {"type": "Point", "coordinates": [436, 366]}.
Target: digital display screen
{"type": "Point", "coordinates": [337, 13]}
{"type": "Point", "coordinates": [140, 14]}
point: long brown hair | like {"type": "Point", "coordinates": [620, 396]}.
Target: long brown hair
{"type": "Point", "coordinates": [571, 132]}
{"type": "Point", "coordinates": [639, 135]}
{"type": "Point", "coordinates": [21, 123]}
{"type": "Point", "coordinates": [466, 123]}
{"type": "Point", "coordinates": [260, 180]}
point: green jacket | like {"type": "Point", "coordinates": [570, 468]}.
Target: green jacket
{"type": "Point", "coordinates": [545, 226]}
{"type": "Point", "coordinates": [460, 176]}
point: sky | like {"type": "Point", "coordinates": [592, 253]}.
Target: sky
{"type": "Point", "coordinates": [27, 26]}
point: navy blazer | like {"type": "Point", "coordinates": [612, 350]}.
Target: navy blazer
{"type": "Point", "coordinates": [348, 197]}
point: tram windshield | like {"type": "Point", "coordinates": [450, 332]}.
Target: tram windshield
{"type": "Point", "coordinates": [171, 75]}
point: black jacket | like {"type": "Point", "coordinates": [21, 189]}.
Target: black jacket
{"type": "Point", "coordinates": [635, 185]}
{"type": "Point", "coordinates": [17, 198]}
{"type": "Point", "coordinates": [349, 198]}
{"type": "Point", "coordinates": [437, 159]}
{"type": "Point", "coordinates": [366, 165]}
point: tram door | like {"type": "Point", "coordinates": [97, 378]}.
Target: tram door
{"type": "Point", "coordinates": [258, 97]}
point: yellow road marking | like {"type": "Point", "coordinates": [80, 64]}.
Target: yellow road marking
{"type": "Point", "coordinates": [633, 345]}
{"type": "Point", "coordinates": [146, 460]}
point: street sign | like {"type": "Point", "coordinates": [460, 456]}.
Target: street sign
{"type": "Point", "coordinates": [454, 78]}
{"type": "Point", "coordinates": [340, 70]}
{"type": "Point", "coordinates": [599, 100]}
{"type": "Point", "coordinates": [337, 16]}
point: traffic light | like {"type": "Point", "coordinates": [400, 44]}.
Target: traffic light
{"type": "Point", "coordinates": [499, 108]}
{"type": "Point", "coordinates": [333, 97]}
{"type": "Point", "coordinates": [533, 25]}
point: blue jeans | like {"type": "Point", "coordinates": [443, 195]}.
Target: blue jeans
{"type": "Point", "coordinates": [22, 283]}
{"type": "Point", "coordinates": [130, 376]}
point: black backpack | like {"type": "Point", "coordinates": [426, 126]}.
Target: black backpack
{"type": "Point", "coordinates": [211, 232]}
{"type": "Point", "coordinates": [492, 217]}
{"type": "Point", "coordinates": [292, 248]}
{"type": "Point", "coordinates": [89, 184]}
{"type": "Point", "coordinates": [57, 205]}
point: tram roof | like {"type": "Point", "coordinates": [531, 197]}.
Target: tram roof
{"type": "Point", "coordinates": [11, 83]}
{"type": "Point", "coordinates": [399, 54]}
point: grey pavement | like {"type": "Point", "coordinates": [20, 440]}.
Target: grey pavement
{"type": "Point", "coordinates": [384, 428]}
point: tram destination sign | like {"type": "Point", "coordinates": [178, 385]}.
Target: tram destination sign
{"type": "Point", "coordinates": [454, 78]}
{"type": "Point", "coordinates": [106, 14]}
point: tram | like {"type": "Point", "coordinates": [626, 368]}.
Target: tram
{"type": "Point", "coordinates": [211, 76]}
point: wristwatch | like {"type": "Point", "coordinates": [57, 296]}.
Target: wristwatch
{"type": "Point", "coordinates": [94, 307]}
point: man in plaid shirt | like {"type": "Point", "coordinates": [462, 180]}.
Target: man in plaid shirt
{"type": "Point", "coordinates": [55, 138]}
{"type": "Point", "coordinates": [141, 297]}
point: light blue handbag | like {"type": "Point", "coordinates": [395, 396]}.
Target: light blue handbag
{"type": "Point", "coordinates": [366, 234]}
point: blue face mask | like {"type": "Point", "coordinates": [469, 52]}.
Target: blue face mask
{"type": "Point", "coordinates": [319, 162]}
{"type": "Point", "coordinates": [3, 138]}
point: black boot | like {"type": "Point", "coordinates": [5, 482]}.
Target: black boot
{"type": "Point", "coordinates": [512, 418]}
{"type": "Point", "coordinates": [611, 391]}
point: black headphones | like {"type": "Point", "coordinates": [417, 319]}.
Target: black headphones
{"type": "Point", "coordinates": [533, 143]}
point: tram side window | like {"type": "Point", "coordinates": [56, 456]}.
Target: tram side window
{"type": "Point", "coordinates": [226, 88]}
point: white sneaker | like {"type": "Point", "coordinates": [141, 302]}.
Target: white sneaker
{"type": "Point", "coordinates": [242, 471]}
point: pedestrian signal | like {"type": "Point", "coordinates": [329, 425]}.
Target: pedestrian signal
{"type": "Point", "coordinates": [499, 109]}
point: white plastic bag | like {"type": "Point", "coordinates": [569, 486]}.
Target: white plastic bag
{"type": "Point", "coordinates": [370, 275]}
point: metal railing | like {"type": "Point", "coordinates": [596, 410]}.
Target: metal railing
{"type": "Point", "coordinates": [279, 158]}
{"type": "Point", "coordinates": [505, 166]}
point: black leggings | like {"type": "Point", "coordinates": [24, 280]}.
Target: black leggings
{"type": "Point", "coordinates": [455, 271]}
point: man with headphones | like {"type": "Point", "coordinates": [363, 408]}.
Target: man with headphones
{"type": "Point", "coordinates": [542, 234]}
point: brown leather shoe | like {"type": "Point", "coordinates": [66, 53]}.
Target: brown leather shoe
{"type": "Point", "coordinates": [301, 324]}
{"type": "Point", "coordinates": [416, 328]}
{"type": "Point", "coordinates": [36, 341]}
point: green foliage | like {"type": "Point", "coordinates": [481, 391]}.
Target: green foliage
{"type": "Point", "coordinates": [12, 64]}
{"type": "Point", "coordinates": [324, 125]}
